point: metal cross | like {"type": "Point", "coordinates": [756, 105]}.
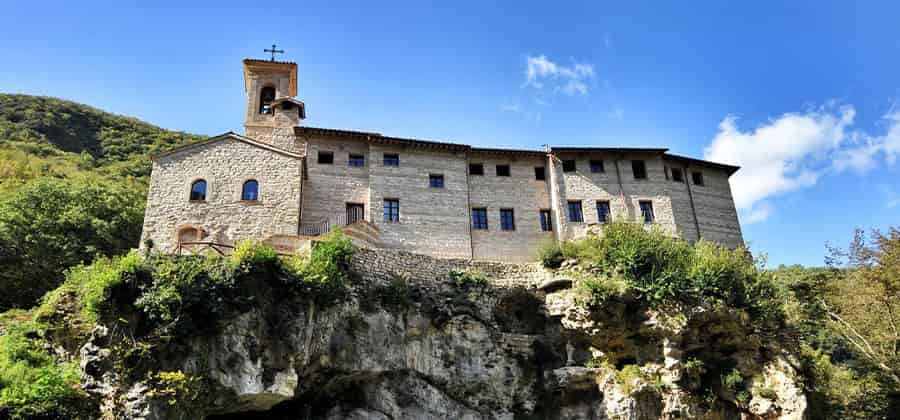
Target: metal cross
{"type": "Point", "coordinates": [273, 51]}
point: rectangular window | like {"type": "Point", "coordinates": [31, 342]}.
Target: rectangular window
{"type": "Point", "coordinates": [597, 166]}
{"type": "Point", "coordinates": [539, 173]}
{"type": "Point", "coordinates": [391, 210]}
{"type": "Point", "coordinates": [476, 169]}
{"type": "Point", "coordinates": [603, 212]}
{"type": "Point", "coordinates": [391, 159]}
{"type": "Point", "coordinates": [677, 176]}
{"type": "Point", "coordinates": [326, 158]}
{"type": "Point", "coordinates": [639, 169]}
{"type": "Point", "coordinates": [646, 211]}
{"type": "Point", "coordinates": [575, 214]}
{"type": "Point", "coordinates": [479, 218]}
{"type": "Point", "coordinates": [502, 170]}
{"type": "Point", "coordinates": [507, 219]}
{"type": "Point", "coordinates": [356, 160]}
{"type": "Point", "coordinates": [436, 181]}
{"type": "Point", "coordinates": [697, 177]}
{"type": "Point", "coordinates": [569, 165]}
{"type": "Point", "coordinates": [546, 223]}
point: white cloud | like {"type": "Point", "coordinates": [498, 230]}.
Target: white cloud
{"type": "Point", "coordinates": [794, 150]}
{"type": "Point", "coordinates": [865, 155]}
{"type": "Point", "coordinates": [759, 212]}
{"type": "Point", "coordinates": [570, 80]}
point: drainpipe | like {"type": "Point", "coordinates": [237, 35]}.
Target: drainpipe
{"type": "Point", "coordinates": [302, 171]}
{"type": "Point", "coordinates": [469, 210]}
{"type": "Point", "coordinates": [621, 187]}
{"type": "Point", "coordinates": [691, 199]}
{"type": "Point", "coordinates": [557, 213]}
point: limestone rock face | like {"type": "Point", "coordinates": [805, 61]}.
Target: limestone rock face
{"type": "Point", "coordinates": [473, 352]}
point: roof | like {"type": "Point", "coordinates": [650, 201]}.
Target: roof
{"type": "Point", "coordinates": [374, 137]}
{"type": "Point", "coordinates": [513, 152]}
{"type": "Point", "coordinates": [566, 149]}
{"type": "Point", "coordinates": [294, 101]}
{"type": "Point", "coordinates": [378, 138]}
{"type": "Point", "coordinates": [731, 169]}
{"type": "Point", "coordinates": [222, 137]}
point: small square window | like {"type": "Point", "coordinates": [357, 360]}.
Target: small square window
{"type": "Point", "coordinates": [639, 168]}
{"type": "Point", "coordinates": [476, 169]}
{"type": "Point", "coordinates": [677, 175]}
{"type": "Point", "coordinates": [391, 210]}
{"type": "Point", "coordinates": [575, 215]}
{"type": "Point", "coordinates": [502, 170]}
{"type": "Point", "coordinates": [479, 218]}
{"type": "Point", "coordinates": [546, 223]}
{"type": "Point", "coordinates": [326, 158]}
{"type": "Point", "coordinates": [391, 159]}
{"type": "Point", "coordinates": [569, 165]}
{"type": "Point", "coordinates": [647, 211]}
{"type": "Point", "coordinates": [597, 166]}
{"type": "Point", "coordinates": [356, 160]}
{"type": "Point", "coordinates": [697, 177]}
{"type": "Point", "coordinates": [436, 181]}
{"type": "Point", "coordinates": [507, 219]}
{"type": "Point", "coordinates": [539, 173]}
{"type": "Point", "coordinates": [603, 212]}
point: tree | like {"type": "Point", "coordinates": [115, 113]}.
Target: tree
{"type": "Point", "coordinates": [48, 225]}
{"type": "Point", "coordinates": [863, 300]}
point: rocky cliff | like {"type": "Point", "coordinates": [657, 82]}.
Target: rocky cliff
{"type": "Point", "coordinates": [416, 338]}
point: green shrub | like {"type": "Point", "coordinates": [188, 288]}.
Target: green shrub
{"type": "Point", "coordinates": [92, 284]}
{"type": "Point", "coordinates": [550, 254]}
{"type": "Point", "coordinates": [734, 383]}
{"type": "Point", "coordinates": [657, 268]}
{"type": "Point", "coordinates": [49, 225]}
{"type": "Point", "coordinates": [767, 393]}
{"type": "Point", "coordinates": [601, 289]}
{"type": "Point", "coordinates": [173, 387]}
{"type": "Point", "coordinates": [628, 377]}
{"type": "Point", "coordinates": [468, 280]}
{"type": "Point", "coordinates": [251, 255]}
{"type": "Point", "coordinates": [33, 383]}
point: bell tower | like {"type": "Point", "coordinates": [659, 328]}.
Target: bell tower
{"type": "Point", "coordinates": [272, 107]}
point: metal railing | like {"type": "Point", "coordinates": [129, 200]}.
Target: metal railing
{"type": "Point", "coordinates": [352, 215]}
{"type": "Point", "coordinates": [197, 248]}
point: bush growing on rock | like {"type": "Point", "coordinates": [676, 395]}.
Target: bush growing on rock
{"type": "Point", "coordinates": [657, 269]}
{"type": "Point", "coordinates": [146, 301]}
{"type": "Point", "coordinates": [35, 383]}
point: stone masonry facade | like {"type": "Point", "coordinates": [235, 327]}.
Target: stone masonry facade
{"type": "Point", "coordinates": [438, 195]}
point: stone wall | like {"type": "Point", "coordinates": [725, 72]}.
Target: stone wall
{"type": "Point", "coordinates": [433, 221]}
{"type": "Point", "coordinates": [619, 187]}
{"type": "Point", "coordinates": [328, 188]}
{"type": "Point", "coordinates": [521, 192]}
{"type": "Point", "coordinates": [225, 165]}
{"type": "Point", "coordinates": [716, 212]}
{"type": "Point", "coordinates": [385, 265]}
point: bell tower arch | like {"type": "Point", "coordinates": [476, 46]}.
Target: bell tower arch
{"type": "Point", "coordinates": [272, 107]}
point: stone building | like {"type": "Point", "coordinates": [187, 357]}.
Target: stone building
{"type": "Point", "coordinates": [284, 183]}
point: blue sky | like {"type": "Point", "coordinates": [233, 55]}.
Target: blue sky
{"type": "Point", "coordinates": [803, 95]}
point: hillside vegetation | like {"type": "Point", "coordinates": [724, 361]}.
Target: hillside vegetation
{"type": "Point", "coordinates": [73, 180]}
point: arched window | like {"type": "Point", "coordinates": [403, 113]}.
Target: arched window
{"type": "Point", "coordinates": [198, 190]}
{"type": "Point", "coordinates": [266, 96]}
{"type": "Point", "coordinates": [250, 192]}
{"type": "Point", "coordinates": [189, 234]}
